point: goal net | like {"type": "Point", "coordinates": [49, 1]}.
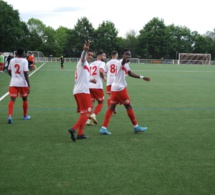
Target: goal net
{"type": "Point", "coordinates": [194, 58]}
{"type": "Point", "coordinates": [38, 55]}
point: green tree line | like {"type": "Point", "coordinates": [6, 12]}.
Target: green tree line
{"type": "Point", "coordinates": [154, 41]}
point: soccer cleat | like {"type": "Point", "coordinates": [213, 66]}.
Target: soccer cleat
{"type": "Point", "coordinates": [139, 129]}
{"type": "Point", "coordinates": [82, 137]}
{"type": "Point", "coordinates": [72, 133]}
{"type": "Point", "coordinates": [90, 122]}
{"type": "Point", "coordinates": [10, 120]}
{"type": "Point", "coordinates": [104, 131]}
{"type": "Point", "coordinates": [93, 118]}
{"type": "Point", "coordinates": [26, 117]}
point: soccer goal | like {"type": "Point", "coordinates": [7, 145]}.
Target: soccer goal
{"type": "Point", "coordinates": [38, 55]}
{"type": "Point", "coordinates": [194, 58]}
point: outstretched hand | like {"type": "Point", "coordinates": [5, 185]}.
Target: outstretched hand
{"type": "Point", "coordinates": [147, 79]}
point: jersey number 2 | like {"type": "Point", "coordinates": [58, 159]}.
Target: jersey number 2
{"type": "Point", "coordinates": [17, 67]}
{"type": "Point", "coordinates": [93, 70]}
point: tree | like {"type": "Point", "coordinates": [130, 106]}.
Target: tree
{"type": "Point", "coordinates": [48, 42]}
{"type": "Point", "coordinates": [152, 40]}
{"type": "Point", "coordinates": [37, 33]}
{"type": "Point", "coordinates": [105, 37]}
{"type": "Point", "coordinates": [12, 29]}
{"type": "Point", "coordinates": [83, 31]}
{"type": "Point", "coordinates": [61, 39]}
{"type": "Point", "coordinates": [131, 42]}
{"type": "Point", "coordinates": [210, 43]}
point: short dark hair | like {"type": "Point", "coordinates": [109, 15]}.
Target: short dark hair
{"type": "Point", "coordinates": [124, 50]}
{"type": "Point", "coordinates": [20, 52]}
{"type": "Point", "coordinates": [113, 53]}
{"type": "Point", "coordinates": [100, 52]}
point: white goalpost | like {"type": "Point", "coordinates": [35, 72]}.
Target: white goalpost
{"type": "Point", "coordinates": [38, 55]}
{"type": "Point", "coordinates": [194, 58]}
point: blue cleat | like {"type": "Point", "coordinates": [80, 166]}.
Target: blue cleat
{"type": "Point", "coordinates": [139, 129]}
{"type": "Point", "coordinates": [10, 120]}
{"type": "Point", "coordinates": [26, 117]}
{"type": "Point", "coordinates": [104, 131]}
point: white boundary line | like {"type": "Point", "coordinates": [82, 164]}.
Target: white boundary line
{"type": "Point", "coordinates": [6, 94]}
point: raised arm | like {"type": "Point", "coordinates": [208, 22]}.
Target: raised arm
{"type": "Point", "coordinates": [85, 49]}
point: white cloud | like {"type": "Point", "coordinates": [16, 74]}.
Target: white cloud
{"type": "Point", "coordinates": [126, 15]}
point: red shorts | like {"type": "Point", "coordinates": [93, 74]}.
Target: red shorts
{"type": "Point", "coordinates": [108, 89]}
{"type": "Point", "coordinates": [15, 91]}
{"type": "Point", "coordinates": [120, 97]}
{"type": "Point", "coordinates": [83, 103]}
{"type": "Point", "coordinates": [97, 94]}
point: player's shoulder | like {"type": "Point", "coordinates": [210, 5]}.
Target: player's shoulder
{"type": "Point", "coordinates": [95, 63]}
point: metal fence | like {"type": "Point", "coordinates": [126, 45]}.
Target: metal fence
{"type": "Point", "coordinates": [132, 60]}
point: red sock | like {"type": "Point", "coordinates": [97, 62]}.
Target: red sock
{"type": "Point", "coordinates": [81, 129]}
{"type": "Point", "coordinates": [81, 122]}
{"type": "Point", "coordinates": [108, 115]}
{"type": "Point", "coordinates": [132, 116]}
{"type": "Point", "coordinates": [25, 108]}
{"type": "Point", "coordinates": [108, 102]}
{"type": "Point", "coordinates": [10, 108]}
{"type": "Point", "coordinates": [98, 108]}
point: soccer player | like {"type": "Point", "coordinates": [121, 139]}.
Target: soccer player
{"type": "Point", "coordinates": [31, 61]}
{"type": "Point", "coordinates": [96, 89]}
{"type": "Point", "coordinates": [1, 62]}
{"type": "Point", "coordinates": [110, 70]}
{"type": "Point", "coordinates": [120, 95]}
{"type": "Point", "coordinates": [62, 62]}
{"type": "Point", "coordinates": [82, 93]}
{"type": "Point", "coordinates": [19, 83]}
{"type": "Point", "coordinates": [10, 56]}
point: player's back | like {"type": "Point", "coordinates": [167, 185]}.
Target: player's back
{"type": "Point", "coordinates": [110, 70]}
{"type": "Point", "coordinates": [17, 67]}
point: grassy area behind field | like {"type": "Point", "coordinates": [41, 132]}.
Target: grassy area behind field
{"type": "Point", "coordinates": [175, 155]}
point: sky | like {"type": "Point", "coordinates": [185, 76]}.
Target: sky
{"type": "Point", "coordinates": [126, 15]}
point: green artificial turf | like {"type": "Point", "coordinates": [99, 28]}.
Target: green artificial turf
{"type": "Point", "coordinates": [175, 156]}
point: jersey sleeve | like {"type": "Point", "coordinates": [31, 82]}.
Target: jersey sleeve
{"type": "Point", "coordinates": [102, 66]}
{"type": "Point", "coordinates": [127, 67]}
